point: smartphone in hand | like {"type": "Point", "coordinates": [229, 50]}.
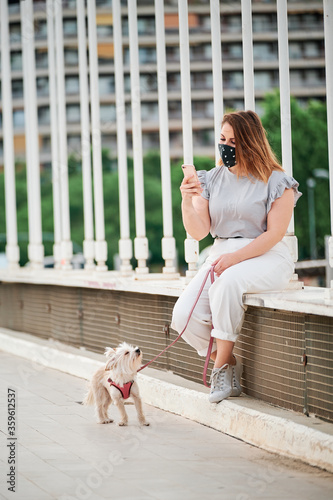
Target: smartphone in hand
{"type": "Point", "coordinates": [189, 170]}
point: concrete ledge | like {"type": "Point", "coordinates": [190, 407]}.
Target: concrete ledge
{"type": "Point", "coordinates": [310, 300]}
{"type": "Point", "coordinates": [257, 423]}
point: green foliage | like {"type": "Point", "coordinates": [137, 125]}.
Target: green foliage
{"type": "Point", "coordinates": [310, 151]}
{"type": "Point", "coordinates": [309, 142]}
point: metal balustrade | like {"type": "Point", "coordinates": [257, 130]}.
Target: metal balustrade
{"type": "Point", "coordinates": [94, 244]}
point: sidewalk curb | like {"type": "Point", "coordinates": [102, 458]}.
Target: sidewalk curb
{"type": "Point", "coordinates": [269, 432]}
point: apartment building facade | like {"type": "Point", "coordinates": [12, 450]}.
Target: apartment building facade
{"type": "Point", "coordinates": [307, 69]}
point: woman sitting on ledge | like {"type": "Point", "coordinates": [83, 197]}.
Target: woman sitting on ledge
{"type": "Point", "coordinates": [246, 203]}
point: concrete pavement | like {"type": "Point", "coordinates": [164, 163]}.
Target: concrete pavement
{"type": "Point", "coordinates": [60, 452]}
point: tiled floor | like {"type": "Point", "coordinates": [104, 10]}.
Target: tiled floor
{"type": "Point", "coordinates": [62, 453]}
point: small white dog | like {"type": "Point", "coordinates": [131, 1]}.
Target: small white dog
{"type": "Point", "coordinates": [116, 382]}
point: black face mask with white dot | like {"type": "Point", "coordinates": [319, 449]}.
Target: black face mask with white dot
{"type": "Point", "coordinates": [228, 155]}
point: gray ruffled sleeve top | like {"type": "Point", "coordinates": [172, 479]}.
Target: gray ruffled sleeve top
{"type": "Point", "coordinates": [239, 206]}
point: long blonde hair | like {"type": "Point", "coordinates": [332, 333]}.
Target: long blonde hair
{"type": "Point", "coordinates": [253, 153]}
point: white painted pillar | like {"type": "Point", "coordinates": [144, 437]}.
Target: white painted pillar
{"type": "Point", "coordinates": [101, 251]}
{"type": "Point", "coordinates": [215, 22]}
{"type": "Point", "coordinates": [328, 27]}
{"type": "Point", "coordinates": [88, 243]}
{"type": "Point", "coordinates": [56, 190]}
{"type": "Point", "coordinates": [125, 243]}
{"type": "Point", "coordinates": [35, 246]}
{"type": "Point", "coordinates": [168, 241]}
{"type": "Point", "coordinates": [248, 70]}
{"type": "Point", "coordinates": [191, 245]}
{"type": "Point", "coordinates": [66, 243]}
{"type": "Point", "coordinates": [282, 21]}
{"type": "Point", "coordinates": [12, 248]}
{"type": "Point", "coordinates": [140, 242]}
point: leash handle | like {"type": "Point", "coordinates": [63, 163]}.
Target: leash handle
{"type": "Point", "coordinates": [211, 273]}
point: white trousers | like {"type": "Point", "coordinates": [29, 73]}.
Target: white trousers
{"type": "Point", "coordinates": [221, 303]}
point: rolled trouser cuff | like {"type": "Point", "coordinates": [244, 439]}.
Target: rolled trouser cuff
{"type": "Point", "coordinates": [219, 334]}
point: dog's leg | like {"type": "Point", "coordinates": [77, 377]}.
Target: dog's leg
{"type": "Point", "coordinates": [107, 419]}
{"type": "Point", "coordinates": [103, 401]}
{"type": "Point", "coordinates": [138, 407]}
{"type": "Point", "coordinates": [138, 403]}
{"type": "Point", "coordinates": [119, 402]}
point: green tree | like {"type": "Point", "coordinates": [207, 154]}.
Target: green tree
{"type": "Point", "coordinates": [309, 151]}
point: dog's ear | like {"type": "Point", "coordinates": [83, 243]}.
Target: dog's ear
{"type": "Point", "coordinates": [110, 364]}
{"type": "Point", "coordinates": [109, 352]}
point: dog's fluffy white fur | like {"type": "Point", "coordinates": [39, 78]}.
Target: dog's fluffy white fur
{"type": "Point", "coordinates": [121, 367]}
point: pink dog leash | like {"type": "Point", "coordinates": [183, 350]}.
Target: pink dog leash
{"type": "Point", "coordinates": [204, 376]}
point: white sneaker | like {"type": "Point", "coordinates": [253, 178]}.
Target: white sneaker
{"type": "Point", "coordinates": [221, 383]}
{"type": "Point", "coordinates": [237, 370]}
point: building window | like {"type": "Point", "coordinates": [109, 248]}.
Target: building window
{"type": "Point", "coordinates": [44, 115]}
{"type": "Point", "coordinates": [172, 54]}
{"type": "Point", "coordinates": [17, 89]}
{"type": "Point", "coordinates": [46, 144]}
{"type": "Point", "coordinates": [70, 27]}
{"type": "Point", "coordinates": [16, 61]}
{"type": "Point", "coordinates": [233, 79]}
{"type": "Point", "coordinates": [232, 23]}
{"type": "Point", "coordinates": [201, 52]}
{"type": "Point", "coordinates": [15, 32]}
{"type": "Point", "coordinates": [147, 55]}
{"type": "Point", "coordinates": [73, 143]}
{"type": "Point", "coordinates": [107, 113]}
{"type": "Point", "coordinates": [148, 82]}
{"type": "Point", "coordinates": [40, 30]}
{"type": "Point", "coordinates": [106, 84]}
{"type": "Point", "coordinates": [202, 109]}
{"type": "Point", "coordinates": [146, 26]}
{"type": "Point", "coordinates": [18, 118]}
{"type": "Point", "coordinates": [42, 86]}
{"type": "Point", "coordinates": [264, 22]}
{"type": "Point", "coordinates": [201, 81]}
{"type": "Point", "coordinates": [175, 110]}
{"type": "Point", "coordinates": [173, 81]}
{"type": "Point", "coordinates": [104, 30]}
{"type": "Point", "coordinates": [72, 85]}
{"type": "Point", "coordinates": [71, 57]}
{"type": "Point", "coordinates": [41, 58]}
{"type": "Point", "coordinates": [265, 51]}
{"type": "Point", "coordinates": [73, 113]}
{"type": "Point", "coordinates": [262, 80]}
{"type": "Point", "coordinates": [295, 50]}
{"type": "Point", "coordinates": [232, 51]}
{"type": "Point", "coordinates": [149, 111]}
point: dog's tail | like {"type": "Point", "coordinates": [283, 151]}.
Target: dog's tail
{"type": "Point", "coordinates": [89, 398]}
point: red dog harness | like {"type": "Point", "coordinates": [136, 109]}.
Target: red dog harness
{"type": "Point", "coordinates": [124, 389]}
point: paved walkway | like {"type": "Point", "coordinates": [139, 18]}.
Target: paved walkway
{"type": "Point", "coordinates": [61, 453]}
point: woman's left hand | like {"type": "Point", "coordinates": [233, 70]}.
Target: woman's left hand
{"type": "Point", "coordinates": [224, 261]}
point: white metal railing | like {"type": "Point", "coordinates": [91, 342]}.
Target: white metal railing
{"type": "Point", "coordinates": [328, 23]}
{"type": "Point", "coordinates": [94, 244]}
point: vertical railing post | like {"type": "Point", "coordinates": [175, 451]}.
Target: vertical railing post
{"type": "Point", "coordinates": [168, 241]}
{"type": "Point", "coordinates": [328, 28]}
{"type": "Point", "coordinates": [215, 22]}
{"type": "Point", "coordinates": [56, 190]}
{"type": "Point", "coordinates": [12, 248]}
{"type": "Point", "coordinates": [125, 243]}
{"type": "Point", "coordinates": [88, 243]}
{"type": "Point", "coordinates": [101, 251]}
{"type": "Point", "coordinates": [35, 246]}
{"type": "Point", "coordinates": [191, 245]}
{"type": "Point", "coordinates": [248, 71]}
{"type": "Point", "coordinates": [286, 145]}
{"type": "Point", "coordinates": [140, 242]}
{"type": "Point", "coordinates": [66, 243]}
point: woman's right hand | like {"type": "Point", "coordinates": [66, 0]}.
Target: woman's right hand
{"type": "Point", "coordinates": [190, 187]}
